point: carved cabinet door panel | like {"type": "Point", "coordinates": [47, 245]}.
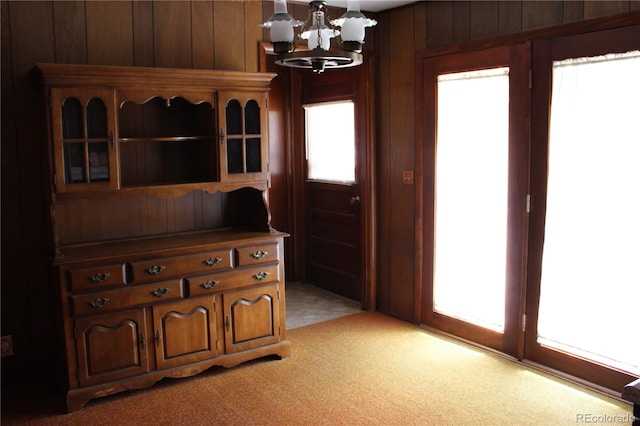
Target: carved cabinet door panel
{"type": "Point", "coordinates": [251, 317]}
{"type": "Point", "coordinates": [184, 331]}
{"type": "Point", "coordinates": [111, 347]}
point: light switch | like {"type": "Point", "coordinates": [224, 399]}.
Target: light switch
{"type": "Point", "coordinates": [407, 177]}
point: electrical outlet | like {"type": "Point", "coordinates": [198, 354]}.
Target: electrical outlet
{"type": "Point", "coordinates": [6, 346]}
{"type": "Point", "coordinates": [407, 177]}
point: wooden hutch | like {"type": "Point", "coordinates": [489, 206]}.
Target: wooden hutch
{"type": "Point", "coordinates": [164, 259]}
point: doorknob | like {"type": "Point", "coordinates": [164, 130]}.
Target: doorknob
{"type": "Point", "coordinates": [355, 200]}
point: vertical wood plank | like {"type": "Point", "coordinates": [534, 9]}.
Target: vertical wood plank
{"type": "Point", "coordinates": [228, 35]}
{"type": "Point", "coordinates": [439, 23]}
{"type": "Point", "coordinates": [540, 14]}
{"type": "Point", "coordinates": [10, 186]}
{"type": "Point", "coordinates": [598, 8]}
{"type": "Point", "coordinates": [142, 11]}
{"type": "Point", "coordinates": [572, 11]}
{"type": "Point", "coordinates": [184, 212]}
{"type": "Point", "coordinates": [15, 300]}
{"type": "Point", "coordinates": [461, 21]}
{"type": "Point", "coordinates": [70, 32]}
{"type": "Point", "coordinates": [156, 215]}
{"type": "Point", "coordinates": [383, 169]}
{"type": "Point", "coordinates": [172, 34]}
{"type": "Point", "coordinates": [484, 19]}
{"type": "Point", "coordinates": [109, 33]}
{"type": "Point", "coordinates": [402, 229]}
{"type": "Point", "coordinates": [509, 17]}
{"type": "Point", "coordinates": [420, 36]}
{"type": "Point", "coordinates": [253, 34]}
{"type": "Point", "coordinates": [32, 41]}
{"type": "Point", "coordinates": [202, 34]}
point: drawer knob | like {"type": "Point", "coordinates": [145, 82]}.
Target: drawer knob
{"type": "Point", "coordinates": [261, 276]}
{"type": "Point", "coordinates": [259, 254]}
{"type": "Point", "coordinates": [160, 292]}
{"type": "Point", "coordinates": [99, 277]}
{"type": "Point", "coordinates": [99, 303]}
{"type": "Point", "coordinates": [155, 269]}
{"type": "Point", "coordinates": [212, 261]}
{"type": "Point", "coordinates": [209, 284]}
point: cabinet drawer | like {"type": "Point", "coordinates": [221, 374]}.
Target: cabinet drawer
{"type": "Point", "coordinates": [210, 283]}
{"type": "Point", "coordinates": [98, 302]}
{"type": "Point", "coordinates": [181, 266]}
{"type": "Point", "coordinates": [257, 254]}
{"type": "Point", "coordinates": [96, 277]}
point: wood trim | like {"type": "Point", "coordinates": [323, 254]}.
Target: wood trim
{"type": "Point", "coordinates": [592, 25]}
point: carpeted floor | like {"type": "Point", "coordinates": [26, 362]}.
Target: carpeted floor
{"type": "Point", "coordinates": [366, 368]}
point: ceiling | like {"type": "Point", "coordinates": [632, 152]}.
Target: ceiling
{"type": "Point", "coordinates": [372, 5]}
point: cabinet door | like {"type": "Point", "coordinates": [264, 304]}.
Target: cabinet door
{"type": "Point", "coordinates": [185, 331]}
{"type": "Point", "coordinates": [84, 149]}
{"type": "Point", "coordinates": [243, 136]}
{"type": "Point", "coordinates": [251, 317]}
{"type": "Point", "coordinates": [111, 347]}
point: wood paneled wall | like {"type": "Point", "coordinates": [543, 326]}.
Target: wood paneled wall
{"type": "Point", "coordinates": [400, 32]}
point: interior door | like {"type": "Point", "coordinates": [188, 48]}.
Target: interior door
{"type": "Point", "coordinates": [337, 212]}
{"type": "Point", "coordinates": [475, 202]}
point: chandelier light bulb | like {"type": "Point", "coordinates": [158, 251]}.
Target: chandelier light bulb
{"type": "Point", "coordinates": [352, 24]}
{"type": "Point", "coordinates": [281, 27]}
{"type": "Point", "coordinates": [319, 35]}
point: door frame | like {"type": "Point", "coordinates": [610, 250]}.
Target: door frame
{"type": "Point", "coordinates": [517, 57]}
{"type": "Point", "coordinates": [293, 144]}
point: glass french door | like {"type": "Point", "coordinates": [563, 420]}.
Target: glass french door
{"type": "Point", "coordinates": [531, 248]}
{"type": "Point", "coordinates": [475, 208]}
{"type": "Point", "coordinates": [584, 257]}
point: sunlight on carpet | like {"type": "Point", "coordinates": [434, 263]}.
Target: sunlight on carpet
{"type": "Point", "coordinates": [362, 369]}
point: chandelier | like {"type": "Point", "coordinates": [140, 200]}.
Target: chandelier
{"type": "Point", "coordinates": [319, 56]}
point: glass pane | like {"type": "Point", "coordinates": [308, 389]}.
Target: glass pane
{"type": "Point", "coordinates": [591, 261]}
{"type": "Point", "coordinates": [330, 140]}
{"type": "Point", "coordinates": [253, 155]}
{"type": "Point", "coordinates": [234, 117]}
{"type": "Point", "coordinates": [72, 121]}
{"type": "Point", "coordinates": [99, 162]}
{"type": "Point", "coordinates": [252, 118]}
{"type": "Point", "coordinates": [74, 163]}
{"type": "Point", "coordinates": [471, 196]}
{"type": "Point", "coordinates": [96, 119]}
{"type": "Point", "coordinates": [234, 156]}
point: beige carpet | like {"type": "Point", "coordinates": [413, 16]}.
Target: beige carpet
{"type": "Point", "coordinates": [362, 369]}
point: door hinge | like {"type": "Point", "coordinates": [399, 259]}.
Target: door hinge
{"type": "Point", "coordinates": [524, 322]}
{"type": "Point", "coordinates": [527, 204]}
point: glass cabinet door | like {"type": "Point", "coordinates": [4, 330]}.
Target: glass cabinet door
{"type": "Point", "coordinates": [243, 136]}
{"type": "Point", "coordinates": [83, 139]}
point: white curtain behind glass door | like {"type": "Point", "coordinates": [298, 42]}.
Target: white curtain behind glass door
{"type": "Point", "coordinates": [471, 196]}
{"type": "Point", "coordinates": [590, 284]}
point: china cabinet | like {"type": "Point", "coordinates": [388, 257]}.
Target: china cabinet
{"type": "Point", "coordinates": [164, 259]}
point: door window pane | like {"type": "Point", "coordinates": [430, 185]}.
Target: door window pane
{"type": "Point", "coordinates": [471, 196]}
{"type": "Point", "coordinates": [590, 283]}
{"type": "Point", "coordinates": [330, 141]}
